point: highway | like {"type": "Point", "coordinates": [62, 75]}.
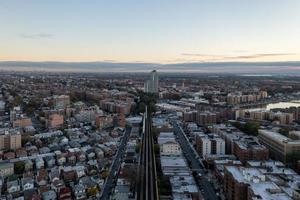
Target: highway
{"type": "Point", "coordinates": [147, 189]}
{"type": "Point", "coordinates": [195, 163]}
{"type": "Point", "coordinates": [114, 169]}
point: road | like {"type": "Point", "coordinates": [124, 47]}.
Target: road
{"type": "Point", "coordinates": [195, 163]}
{"type": "Point", "coordinates": [114, 169]}
{"type": "Point", "coordinates": [147, 189]}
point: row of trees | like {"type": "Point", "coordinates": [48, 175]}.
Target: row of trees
{"type": "Point", "coordinates": [250, 128]}
{"type": "Point", "coordinates": [146, 99]}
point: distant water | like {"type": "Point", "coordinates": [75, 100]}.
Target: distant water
{"type": "Point", "coordinates": [283, 104]}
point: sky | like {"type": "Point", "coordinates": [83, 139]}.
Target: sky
{"type": "Point", "coordinates": [156, 31]}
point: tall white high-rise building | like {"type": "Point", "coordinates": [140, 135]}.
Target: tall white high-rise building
{"type": "Point", "coordinates": [151, 85]}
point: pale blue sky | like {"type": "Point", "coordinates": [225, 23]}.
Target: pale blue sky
{"type": "Point", "coordinates": [161, 31]}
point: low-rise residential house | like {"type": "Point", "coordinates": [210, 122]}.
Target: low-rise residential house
{"type": "Point", "coordinates": [27, 183]}
{"type": "Point", "coordinates": [6, 169]}
{"type": "Point", "coordinates": [92, 170]}
{"type": "Point", "coordinates": [79, 192]}
{"type": "Point", "coordinates": [39, 163]}
{"type": "Point", "coordinates": [107, 151]}
{"type": "Point", "coordinates": [32, 150]}
{"type": "Point", "coordinates": [57, 184]}
{"type": "Point", "coordinates": [98, 180]}
{"type": "Point", "coordinates": [49, 195]}
{"type": "Point", "coordinates": [122, 190]}
{"type": "Point", "coordinates": [54, 147]}
{"type": "Point", "coordinates": [74, 144]}
{"type": "Point", "coordinates": [90, 154]}
{"type": "Point", "coordinates": [29, 129]}
{"type": "Point", "coordinates": [64, 141]}
{"type": "Point", "coordinates": [43, 188]}
{"type": "Point", "coordinates": [21, 152]}
{"type": "Point", "coordinates": [13, 186]}
{"type": "Point", "coordinates": [54, 174]}
{"type": "Point", "coordinates": [71, 157]}
{"type": "Point", "coordinates": [93, 163]}
{"type": "Point", "coordinates": [88, 183]}
{"type": "Point", "coordinates": [44, 150]}
{"type": "Point", "coordinates": [42, 177]}
{"type": "Point", "coordinates": [80, 157]}
{"type": "Point", "coordinates": [1, 183]}
{"type": "Point", "coordinates": [99, 153]}
{"type": "Point", "coordinates": [61, 160]}
{"type": "Point", "coordinates": [80, 171]}
{"type": "Point", "coordinates": [31, 194]}
{"type": "Point", "coordinates": [28, 165]}
{"type": "Point", "coordinates": [50, 161]}
{"type": "Point", "coordinates": [69, 174]}
{"type": "Point", "coordinates": [65, 194]}
{"type": "Point", "coordinates": [9, 155]}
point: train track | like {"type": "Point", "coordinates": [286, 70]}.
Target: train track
{"type": "Point", "coordinates": [147, 189]}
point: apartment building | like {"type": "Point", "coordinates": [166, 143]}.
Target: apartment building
{"type": "Point", "coordinates": [279, 145]}
{"type": "Point", "coordinates": [10, 139]}
{"type": "Point", "coordinates": [168, 144]}
{"type": "Point", "coordinates": [55, 121]}
{"type": "Point", "coordinates": [22, 122]}
{"type": "Point", "coordinates": [206, 118]}
{"type": "Point", "coordinates": [189, 116]}
{"type": "Point", "coordinates": [209, 144]}
{"type": "Point", "coordinates": [248, 183]}
{"type": "Point", "coordinates": [228, 133]}
{"type": "Point", "coordinates": [61, 101]}
{"type": "Point", "coordinates": [261, 114]}
{"type": "Point", "coordinates": [248, 148]}
{"type": "Point", "coordinates": [260, 180]}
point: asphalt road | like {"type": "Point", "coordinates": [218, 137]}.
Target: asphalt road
{"type": "Point", "coordinates": [109, 183]}
{"type": "Point", "coordinates": [196, 164]}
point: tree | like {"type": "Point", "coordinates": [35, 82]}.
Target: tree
{"type": "Point", "coordinates": [146, 99]}
{"type": "Point", "coordinates": [130, 173]}
{"type": "Point", "coordinates": [92, 191]}
{"type": "Point", "coordinates": [156, 149]}
{"type": "Point", "coordinates": [32, 105]}
{"type": "Point", "coordinates": [25, 139]}
{"type": "Point", "coordinates": [284, 131]}
{"type": "Point", "coordinates": [154, 133]}
{"type": "Point", "coordinates": [292, 159]}
{"type": "Point", "coordinates": [19, 167]}
{"type": "Point", "coordinates": [104, 174]}
{"type": "Point", "coordinates": [137, 147]}
{"type": "Point", "coordinates": [141, 107]}
{"type": "Point", "coordinates": [16, 102]}
{"type": "Point", "coordinates": [250, 128]}
{"type": "Point", "coordinates": [164, 185]}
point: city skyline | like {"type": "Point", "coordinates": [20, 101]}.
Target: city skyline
{"type": "Point", "coordinates": [168, 32]}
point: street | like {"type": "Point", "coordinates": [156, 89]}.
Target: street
{"type": "Point", "coordinates": [195, 163]}
{"type": "Point", "coordinates": [115, 166]}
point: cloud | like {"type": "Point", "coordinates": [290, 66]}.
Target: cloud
{"type": "Point", "coordinates": [201, 55]}
{"type": "Point", "coordinates": [37, 36]}
{"type": "Point", "coordinates": [262, 55]}
{"type": "Point", "coordinates": [233, 67]}
{"type": "Point", "coordinates": [211, 57]}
